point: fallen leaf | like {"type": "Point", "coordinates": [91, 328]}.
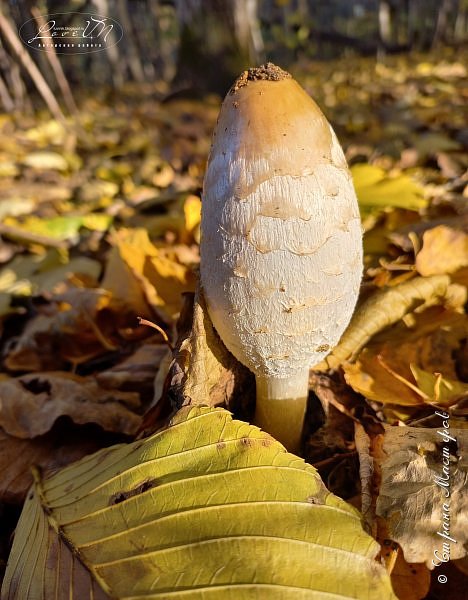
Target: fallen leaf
{"type": "Point", "coordinates": [410, 581]}
{"type": "Point", "coordinates": [72, 327]}
{"type": "Point", "coordinates": [97, 189]}
{"type": "Point", "coordinates": [371, 377]}
{"type": "Point", "coordinates": [271, 525]}
{"type": "Point", "coordinates": [30, 404]}
{"type": "Point", "coordinates": [384, 308]}
{"type": "Point", "coordinates": [387, 370]}
{"type": "Point", "coordinates": [441, 390]}
{"type": "Point", "coordinates": [192, 212]}
{"type": "Point", "coordinates": [50, 452]}
{"type": "Point", "coordinates": [414, 497]}
{"type": "Point", "coordinates": [43, 160]}
{"type": "Point", "coordinates": [376, 189]}
{"type": "Point", "coordinates": [204, 371]}
{"type": "Point", "coordinates": [150, 277]}
{"type": "Point", "coordinates": [136, 372]}
{"type": "Point", "coordinates": [60, 228]}
{"type": "Point", "coordinates": [444, 250]}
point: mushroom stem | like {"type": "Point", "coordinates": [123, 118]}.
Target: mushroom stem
{"type": "Point", "coordinates": [281, 406]}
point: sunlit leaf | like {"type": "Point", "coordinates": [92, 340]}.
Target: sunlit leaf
{"type": "Point", "coordinates": [376, 189]}
{"type": "Point", "coordinates": [441, 390]}
{"type": "Point", "coordinates": [384, 308]}
{"type": "Point", "coordinates": [444, 250]}
{"type": "Point", "coordinates": [209, 508]}
{"type": "Point", "coordinates": [60, 228]}
{"type": "Point", "coordinates": [142, 274]}
{"type": "Point", "coordinates": [46, 160]}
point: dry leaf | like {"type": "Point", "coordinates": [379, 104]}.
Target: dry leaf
{"type": "Point", "coordinates": [410, 581]}
{"type": "Point", "coordinates": [386, 307]}
{"type": "Point", "coordinates": [142, 275]}
{"type": "Point", "coordinates": [50, 452]}
{"type": "Point", "coordinates": [73, 327]}
{"type": "Point", "coordinates": [444, 250]}
{"type": "Point", "coordinates": [385, 370]}
{"type": "Point", "coordinates": [204, 370]}
{"type": "Point", "coordinates": [136, 372]}
{"type": "Point", "coordinates": [422, 512]}
{"type": "Point", "coordinates": [29, 405]}
{"type": "Point", "coordinates": [441, 390]}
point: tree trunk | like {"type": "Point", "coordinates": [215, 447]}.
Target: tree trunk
{"type": "Point", "coordinates": [440, 33]}
{"type": "Point", "coordinates": [217, 41]}
{"type": "Point", "coordinates": [385, 23]}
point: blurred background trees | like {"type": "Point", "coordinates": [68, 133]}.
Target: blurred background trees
{"type": "Point", "coordinates": [192, 46]}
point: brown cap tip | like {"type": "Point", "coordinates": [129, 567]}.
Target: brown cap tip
{"type": "Point", "coordinates": [266, 72]}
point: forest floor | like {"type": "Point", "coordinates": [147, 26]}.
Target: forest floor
{"type": "Point", "coordinates": [99, 225]}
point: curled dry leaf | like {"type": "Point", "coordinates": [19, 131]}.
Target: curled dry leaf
{"type": "Point", "coordinates": [423, 494]}
{"type": "Point", "coordinates": [204, 371]}
{"type": "Point", "coordinates": [444, 250]}
{"type": "Point", "coordinates": [398, 367]}
{"type": "Point", "coordinates": [384, 308]}
{"type": "Point", "coordinates": [29, 405]}
{"type": "Point", "coordinates": [410, 581]}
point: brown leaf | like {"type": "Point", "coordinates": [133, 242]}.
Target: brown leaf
{"type": "Point", "coordinates": [49, 452]}
{"type": "Point", "coordinates": [29, 405]}
{"type": "Point", "coordinates": [383, 370]}
{"type": "Point", "coordinates": [411, 500]}
{"type": "Point", "coordinates": [136, 372]}
{"type": "Point", "coordinates": [444, 250]}
{"type": "Point", "coordinates": [410, 581]}
{"type": "Point", "coordinates": [204, 371]}
{"type": "Point", "coordinates": [72, 328]}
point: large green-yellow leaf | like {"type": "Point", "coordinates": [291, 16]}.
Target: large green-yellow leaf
{"type": "Point", "coordinates": [210, 508]}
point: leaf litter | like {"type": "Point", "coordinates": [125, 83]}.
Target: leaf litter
{"type": "Point", "coordinates": [100, 229]}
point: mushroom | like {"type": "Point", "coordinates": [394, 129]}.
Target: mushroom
{"type": "Point", "coordinates": [281, 247]}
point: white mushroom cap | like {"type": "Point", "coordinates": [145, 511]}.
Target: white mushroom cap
{"type": "Point", "coordinates": [281, 248]}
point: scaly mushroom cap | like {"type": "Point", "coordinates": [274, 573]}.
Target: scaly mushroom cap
{"type": "Point", "coordinates": [281, 248]}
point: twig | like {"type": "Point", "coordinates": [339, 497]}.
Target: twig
{"type": "Point", "coordinates": [7, 100]}
{"type": "Point", "coordinates": [41, 84]}
{"type": "Point", "coordinates": [142, 321]}
{"type": "Point", "coordinates": [56, 66]}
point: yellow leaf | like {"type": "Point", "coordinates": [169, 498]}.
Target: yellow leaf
{"type": "Point", "coordinates": [384, 308]}
{"type": "Point", "coordinates": [370, 377]}
{"type": "Point", "coordinates": [395, 367]}
{"type": "Point", "coordinates": [192, 212]}
{"type": "Point", "coordinates": [376, 190]}
{"type": "Point", "coordinates": [46, 160]}
{"type": "Point", "coordinates": [442, 390]}
{"type": "Point", "coordinates": [140, 273]}
{"type": "Point", "coordinates": [444, 250]}
{"type": "Point", "coordinates": [209, 508]}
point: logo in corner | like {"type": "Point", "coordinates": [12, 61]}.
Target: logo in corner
{"type": "Point", "coordinates": [71, 33]}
